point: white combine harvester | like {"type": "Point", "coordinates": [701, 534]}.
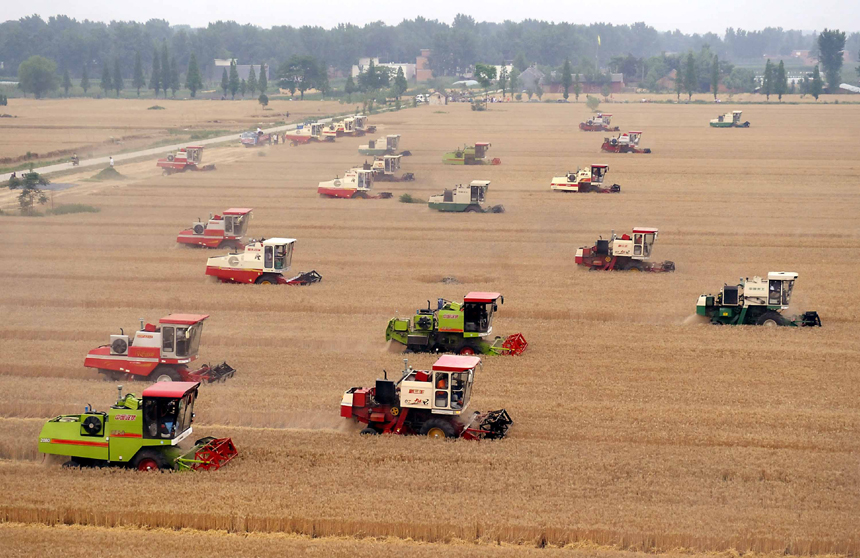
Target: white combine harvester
{"type": "Point", "coordinates": [756, 301]}
{"type": "Point", "coordinates": [262, 262]}
{"type": "Point", "coordinates": [356, 183]}
{"type": "Point", "coordinates": [588, 179]}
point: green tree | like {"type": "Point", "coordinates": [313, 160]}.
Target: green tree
{"type": "Point", "coordinates": [225, 82]}
{"type": "Point", "coordinates": [857, 69]}
{"type": "Point", "coordinates": [118, 83]}
{"type": "Point", "coordinates": [138, 81]}
{"type": "Point", "coordinates": [781, 83]}
{"type": "Point", "coordinates": [715, 76]}
{"type": "Point", "coordinates": [233, 80]}
{"type": "Point", "coordinates": [243, 87]}
{"type": "Point", "coordinates": [605, 91]}
{"type": "Point", "coordinates": [252, 80]}
{"type": "Point", "coordinates": [107, 83]}
{"type": "Point", "coordinates": [577, 87]}
{"type": "Point", "coordinates": [155, 76]}
{"type": "Point", "coordinates": [816, 87]}
{"type": "Point", "coordinates": [85, 80]}
{"type": "Point", "coordinates": [503, 80]}
{"type": "Point", "coordinates": [592, 102]}
{"type": "Point", "coordinates": [67, 82]}
{"type": "Point", "coordinates": [263, 99]}
{"type": "Point", "coordinates": [804, 86]}
{"type": "Point", "coordinates": [374, 78]}
{"type": "Point", "coordinates": [174, 77]}
{"type": "Point", "coordinates": [679, 83]}
{"type": "Point", "coordinates": [514, 78]}
{"type": "Point", "coordinates": [349, 88]}
{"type": "Point", "coordinates": [767, 80]}
{"type": "Point", "coordinates": [690, 77]}
{"type": "Point", "coordinates": [831, 43]}
{"type": "Point", "coordinates": [566, 78]}
{"type": "Point", "coordinates": [165, 68]}
{"type": "Point", "coordinates": [520, 62]}
{"type": "Point", "coordinates": [400, 84]}
{"type": "Point", "coordinates": [485, 74]}
{"type": "Point", "coordinates": [193, 81]}
{"type": "Point", "coordinates": [263, 81]}
{"type": "Point", "coordinates": [37, 75]}
{"type": "Point", "coordinates": [30, 184]}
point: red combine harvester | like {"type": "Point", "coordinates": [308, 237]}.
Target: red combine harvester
{"type": "Point", "coordinates": [187, 158]}
{"type": "Point", "coordinates": [159, 353]}
{"type": "Point", "coordinates": [255, 139]}
{"type": "Point", "coordinates": [628, 142]}
{"type": "Point", "coordinates": [599, 123]}
{"type": "Point", "coordinates": [263, 263]}
{"type": "Point", "coordinates": [227, 229]}
{"type": "Point", "coordinates": [624, 253]}
{"type": "Point", "coordinates": [430, 403]}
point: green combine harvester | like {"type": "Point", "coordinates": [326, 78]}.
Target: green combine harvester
{"type": "Point", "coordinates": [453, 327]}
{"type": "Point", "coordinates": [755, 301]}
{"type": "Point", "coordinates": [730, 120]}
{"type": "Point", "coordinates": [470, 155]}
{"type": "Point", "coordinates": [465, 198]}
{"type": "Point", "coordinates": [141, 433]}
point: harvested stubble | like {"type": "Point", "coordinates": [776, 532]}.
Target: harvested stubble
{"type": "Point", "coordinates": [632, 427]}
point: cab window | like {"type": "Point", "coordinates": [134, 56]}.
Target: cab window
{"type": "Point", "coordinates": [442, 386]}
{"type": "Point", "coordinates": [268, 257]}
{"type": "Point", "coordinates": [167, 337]}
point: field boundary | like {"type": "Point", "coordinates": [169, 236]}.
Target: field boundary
{"type": "Point", "coordinates": [477, 532]}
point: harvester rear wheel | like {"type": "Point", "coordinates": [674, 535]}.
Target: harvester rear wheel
{"type": "Point", "coordinates": [369, 432]}
{"type": "Point", "coordinates": [149, 460]}
{"type": "Point", "coordinates": [438, 428]}
{"type": "Point", "coordinates": [467, 350]}
{"type": "Point", "coordinates": [266, 280]}
{"type": "Point", "coordinates": [164, 374]}
{"type": "Point", "coordinates": [770, 319]}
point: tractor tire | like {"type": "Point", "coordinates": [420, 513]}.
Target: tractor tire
{"type": "Point", "coordinates": [266, 280]}
{"type": "Point", "coordinates": [438, 428]}
{"type": "Point", "coordinates": [164, 374]}
{"type": "Point", "coordinates": [368, 432]}
{"type": "Point", "coordinates": [467, 350]}
{"type": "Point", "coordinates": [770, 319]}
{"type": "Point", "coordinates": [149, 460]}
{"type": "Point", "coordinates": [472, 209]}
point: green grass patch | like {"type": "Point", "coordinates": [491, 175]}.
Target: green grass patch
{"type": "Point", "coordinates": [156, 107]}
{"type": "Point", "coordinates": [108, 173]}
{"type": "Point", "coordinates": [439, 112]}
{"type": "Point", "coordinates": [409, 198]}
{"type": "Point", "coordinates": [68, 208]}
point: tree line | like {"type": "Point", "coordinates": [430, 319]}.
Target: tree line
{"type": "Point", "coordinates": [456, 47]}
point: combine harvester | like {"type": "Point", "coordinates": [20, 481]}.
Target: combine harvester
{"type": "Point", "coordinates": [187, 158]}
{"type": "Point", "coordinates": [755, 301]}
{"type": "Point", "coordinates": [624, 253]}
{"type": "Point", "coordinates": [356, 183]}
{"type": "Point", "coordinates": [142, 433]}
{"type": "Point", "coordinates": [628, 142]}
{"type": "Point", "coordinates": [158, 353]}
{"type": "Point", "coordinates": [385, 168]}
{"type": "Point", "coordinates": [430, 403]}
{"type": "Point", "coordinates": [227, 229]}
{"type": "Point", "coordinates": [465, 198]}
{"type": "Point", "coordinates": [261, 263]}
{"type": "Point", "coordinates": [255, 139]}
{"type": "Point", "coordinates": [589, 179]}
{"type": "Point", "coordinates": [304, 133]}
{"type": "Point", "coordinates": [383, 146]}
{"type": "Point", "coordinates": [456, 327]}
{"type": "Point", "coordinates": [362, 127]}
{"type": "Point", "coordinates": [470, 155]}
{"type": "Point", "coordinates": [730, 120]}
{"type": "Point", "coordinates": [599, 123]}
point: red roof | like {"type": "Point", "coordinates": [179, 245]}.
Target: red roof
{"type": "Point", "coordinates": [644, 230]}
{"type": "Point", "coordinates": [482, 143]}
{"type": "Point", "coordinates": [456, 363]}
{"type": "Point", "coordinates": [194, 147]}
{"type": "Point", "coordinates": [634, 132]}
{"type": "Point", "coordinates": [173, 390]}
{"type": "Point", "coordinates": [183, 319]}
{"type": "Point", "coordinates": [238, 210]}
{"type": "Point", "coordinates": [481, 297]}
{"type": "Point", "coordinates": [600, 166]}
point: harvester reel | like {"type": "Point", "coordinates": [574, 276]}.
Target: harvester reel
{"type": "Point", "coordinates": [119, 346]}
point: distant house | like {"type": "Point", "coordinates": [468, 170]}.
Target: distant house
{"type": "Point", "coordinates": [244, 70]}
{"type": "Point", "coordinates": [436, 99]}
{"type": "Point", "coordinates": [531, 78]}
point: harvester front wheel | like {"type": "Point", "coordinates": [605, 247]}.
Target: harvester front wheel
{"type": "Point", "coordinates": [149, 460]}
{"type": "Point", "coordinates": [438, 428]}
{"type": "Point", "coordinates": [770, 319]}
{"type": "Point", "coordinates": [266, 280]}
{"type": "Point", "coordinates": [467, 350]}
{"type": "Point", "coordinates": [368, 432]}
{"type": "Point", "coordinates": [165, 374]}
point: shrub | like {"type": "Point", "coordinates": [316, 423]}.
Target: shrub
{"type": "Point", "coordinates": [156, 107]}
{"type": "Point", "coordinates": [592, 102]}
{"type": "Point", "coordinates": [408, 198]}
{"type": "Point", "coordinates": [67, 208]}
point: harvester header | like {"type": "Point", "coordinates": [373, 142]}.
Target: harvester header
{"type": "Point", "coordinates": [431, 403]}
{"type": "Point", "coordinates": [142, 433]}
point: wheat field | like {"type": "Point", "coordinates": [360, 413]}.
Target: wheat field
{"type": "Point", "coordinates": [637, 428]}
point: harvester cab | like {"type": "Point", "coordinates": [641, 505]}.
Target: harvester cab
{"type": "Point", "coordinates": [262, 262]}
{"type": "Point", "coordinates": [361, 126]}
{"type": "Point", "coordinates": [159, 353]}
{"type": "Point", "coordinates": [463, 328]}
{"type": "Point", "coordinates": [143, 433]}
{"type": "Point", "coordinates": [385, 169]}
{"type": "Point", "coordinates": [228, 228]}
{"type": "Point", "coordinates": [756, 301]}
{"type": "Point", "coordinates": [625, 252]}
{"type": "Point", "coordinates": [430, 403]}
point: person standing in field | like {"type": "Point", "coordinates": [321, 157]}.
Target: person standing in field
{"type": "Point", "coordinates": [111, 162]}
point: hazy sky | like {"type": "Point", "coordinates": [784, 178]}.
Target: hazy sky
{"type": "Point", "coordinates": [687, 15]}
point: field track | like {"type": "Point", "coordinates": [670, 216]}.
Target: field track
{"type": "Point", "coordinates": [636, 428]}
